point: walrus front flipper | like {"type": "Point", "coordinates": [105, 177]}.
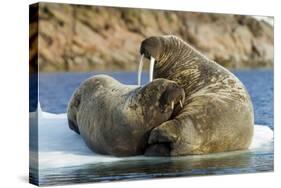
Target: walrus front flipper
{"type": "Point", "coordinates": [166, 132]}
{"type": "Point", "coordinates": [160, 149]}
{"type": "Point", "coordinates": [161, 138]}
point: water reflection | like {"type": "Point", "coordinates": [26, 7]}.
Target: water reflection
{"type": "Point", "coordinates": [229, 163]}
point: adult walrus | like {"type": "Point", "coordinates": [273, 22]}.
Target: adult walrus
{"type": "Point", "coordinates": [217, 115]}
{"type": "Point", "coordinates": [116, 119]}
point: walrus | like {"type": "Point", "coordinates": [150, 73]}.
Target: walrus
{"type": "Point", "coordinates": [115, 119]}
{"type": "Point", "coordinates": [217, 114]}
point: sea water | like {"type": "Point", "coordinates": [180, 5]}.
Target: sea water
{"type": "Point", "coordinates": [65, 159]}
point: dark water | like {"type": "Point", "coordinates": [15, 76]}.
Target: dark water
{"type": "Point", "coordinates": [57, 88]}
{"type": "Point", "coordinates": [251, 162]}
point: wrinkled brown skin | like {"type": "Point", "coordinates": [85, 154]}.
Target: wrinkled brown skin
{"type": "Point", "coordinates": [116, 119]}
{"type": "Point", "coordinates": [218, 113]}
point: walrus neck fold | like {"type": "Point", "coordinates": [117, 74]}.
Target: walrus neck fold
{"type": "Point", "coordinates": [177, 53]}
{"type": "Point", "coordinates": [172, 52]}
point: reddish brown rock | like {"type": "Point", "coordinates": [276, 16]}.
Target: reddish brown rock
{"type": "Point", "coordinates": [90, 38]}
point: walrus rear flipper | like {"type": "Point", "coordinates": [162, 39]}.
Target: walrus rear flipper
{"type": "Point", "coordinates": [161, 138]}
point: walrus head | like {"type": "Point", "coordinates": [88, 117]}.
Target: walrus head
{"type": "Point", "coordinates": [165, 51]}
{"type": "Point", "coordinates": [152, 47]}
{"type": "Point", "coordinates": [165, 96]}
{"type": "Point", "coordinates": [161, 47]}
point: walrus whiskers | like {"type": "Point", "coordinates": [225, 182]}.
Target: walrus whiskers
{"type": "Point", "coordinates": [151, 67]}
{"type": "Point", "coordinates": [140, 70]}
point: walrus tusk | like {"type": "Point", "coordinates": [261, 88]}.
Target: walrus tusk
{"type": "Point", "coordinates": [181, 104]}
{"type": "Point", "coordinates": [151, 67]}
{"type": "Point", "coordinates": [140, 70]}
{"type": "Point", "coordinates": [173, 105]}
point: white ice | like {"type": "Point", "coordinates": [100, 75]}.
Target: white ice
{"type": "Point", "coordinates": [61, 147]}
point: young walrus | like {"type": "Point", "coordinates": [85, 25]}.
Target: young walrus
{"type": "Point", "coordinates": [116, 119]}
{"type": "Point", "coordinates": [217, 115]}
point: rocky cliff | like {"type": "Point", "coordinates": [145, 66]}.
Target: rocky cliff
{"type": "Point", "coordinates": [91, 38]}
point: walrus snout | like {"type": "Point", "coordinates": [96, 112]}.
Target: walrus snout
{"type": "Point", "coordinates": [73, 126]}
{"type": "Point", "coordinates": [173, 96]}
{"type": "Point", "coordinates": [150, 47]}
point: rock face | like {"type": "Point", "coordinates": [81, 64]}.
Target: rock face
{"type": "Point", "coordinates": [92, 38]}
